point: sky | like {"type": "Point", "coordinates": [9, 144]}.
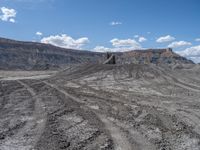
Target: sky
{"type": "Point", "coordinates": [105, 25]}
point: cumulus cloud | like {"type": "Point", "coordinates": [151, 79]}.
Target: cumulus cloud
{"type": "Point", "coordinates": [102, 49]}
{"type": "Point", "coordinates": [125, 43]}
{"type": "Point", "coordinates": [12, 20]}
{"type": "Point", "coordinates": [119, 46]}
{"type": "Point", "coordinates": [115, 23]}
{"type": "Point", "coordinates": [112, 49]}
{"type": "Point", "coordinates": [65, 41]}
{"type": "Point", "coordinates": [179, 44]}
{"type": "Point", "coordinates": [136, 36]}
{"type": "Point", "coordinates": [192, 53]}
{"type": "Point", "coordinates": [39, 33]}
{"type": "Point", "coordinates": [197, 40]}
{"type": "Point", "coordinates": [142, 39]}
{"type": "Point", "coordinates": [163, 39]}
{"type": "Point", "coordinates": [8, 14]}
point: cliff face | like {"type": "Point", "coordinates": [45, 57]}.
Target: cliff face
{"type": "Point", "coordinates": [30, 55]}
{"type": "Point", "coordinates": [155, 56]}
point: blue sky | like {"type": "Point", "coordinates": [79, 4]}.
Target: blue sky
{"type": "Point", "coordinates": [103, 25]}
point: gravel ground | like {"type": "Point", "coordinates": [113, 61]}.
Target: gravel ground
{"type": "Point", "coordinates": [90, 107]}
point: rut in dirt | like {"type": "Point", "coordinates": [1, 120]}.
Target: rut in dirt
{"type": "Point", "coordinates": [28, 135]}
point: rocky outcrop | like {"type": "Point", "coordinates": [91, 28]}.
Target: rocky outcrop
{"type": "Point", "coordinates": [30, 55]}
{"type": "Point", "coordinates": [110, 59]}
{"type": "Point", "coordinates": [155, 56]}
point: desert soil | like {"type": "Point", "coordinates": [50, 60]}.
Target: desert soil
{"type": "Point", "coordinates": [108, 107]}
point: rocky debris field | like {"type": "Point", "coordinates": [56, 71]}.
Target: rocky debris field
{"type": "Point", "coordinates": [91, 107]}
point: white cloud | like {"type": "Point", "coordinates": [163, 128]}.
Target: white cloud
{"type": "Point", "coordinates": [119, 46]}
{"type": "Point", "coordinates": [163, 39]}
{"type": "Point", "coordinates": [39, 33]}
{"type": "Point", "coordinates": [197, 40]}
{"type": "Point", "coordinates": [12, 20]}
{"type": "Point", "coordinates": [113, 49]}
{"type": "Point", "coordinates": [136, 36]}
{"type": "Point", "coordinates": [8, 14]}
{"type": "Point", "coordinates": [191, 53]}
{"type": "Point", "coordinates": [65, 41]}
{"type": "Point", "coordinates": [142, 39]}
{"type": "Point", "coordinates": [115, 23]}
{"type": "Point", "coordinates": [179, 44]}
{"type": "Point", "coordinates": [195, 59]}
{"type": "Point", "coordinates": [125, 43]}
{"type": "Point", "coordinates": [102, 49]}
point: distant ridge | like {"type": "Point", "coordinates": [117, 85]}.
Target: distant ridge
{"type": "Point", "coordinates": [38, 56]}
{"type": "Point", "coordinates": [155, 56]}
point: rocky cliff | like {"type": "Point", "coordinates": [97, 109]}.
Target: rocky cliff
{"type": "Point", "coordinates": [155, 56]}
{"type": "Point", "coordinates": [30, 55]}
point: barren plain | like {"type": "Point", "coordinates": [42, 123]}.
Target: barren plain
{"type": "Point", "coordinates": [91, 107]}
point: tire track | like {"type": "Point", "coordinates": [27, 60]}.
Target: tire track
{"type": "Point", "coordinates": [119, 138]}
{"type": "Point", "coordinates": [63, 92]}
{"type": "Point", "coordinates": [28, 136]}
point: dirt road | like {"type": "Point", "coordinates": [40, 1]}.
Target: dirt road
{"type": "Point", "coordinates": [90, 107]}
